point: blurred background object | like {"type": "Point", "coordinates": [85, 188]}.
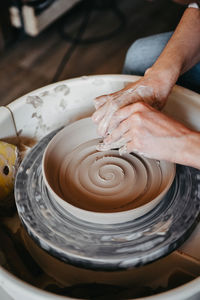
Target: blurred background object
{"type": "Point", "coordinates": [35, 15]}
{"type": "Point", "coordinates": [62, 39]}
{"type": "Point", "coordinates": [6, 30]}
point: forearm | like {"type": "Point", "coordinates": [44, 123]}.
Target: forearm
{"type": "Point", "coordinates": [181, 53]}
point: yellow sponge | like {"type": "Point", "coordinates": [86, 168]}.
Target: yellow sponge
{"type": "Point", "coordinates": [9, 161]}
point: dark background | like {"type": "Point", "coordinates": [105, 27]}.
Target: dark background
{"type": "Point", "coordinates": [27, 63]}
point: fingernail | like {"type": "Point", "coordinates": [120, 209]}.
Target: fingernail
{"type": "Point", "coordinates": [102, 147]}
{"type": "Point", "coordinates": [123, 150]}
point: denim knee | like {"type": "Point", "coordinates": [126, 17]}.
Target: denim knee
{"type": "Point", "coordinates": [143, 53]}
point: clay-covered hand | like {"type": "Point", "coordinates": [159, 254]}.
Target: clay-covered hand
{"type": "Point", "coordinates": [149, 132]}
{"type": "Point", "coordinates": [147, 89]}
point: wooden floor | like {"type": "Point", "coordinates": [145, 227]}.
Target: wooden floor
{"type": "Point", "coordinates": [32, 62]}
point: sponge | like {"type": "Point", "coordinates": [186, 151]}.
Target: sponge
{"type": "Point", "coordinates": [9, 162]}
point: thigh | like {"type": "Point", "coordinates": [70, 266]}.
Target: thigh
{"type": "Point", "coordinates": [144, 52]}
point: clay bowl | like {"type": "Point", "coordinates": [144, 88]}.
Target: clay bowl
{"type": "Point", "coordinates": [101, 187]}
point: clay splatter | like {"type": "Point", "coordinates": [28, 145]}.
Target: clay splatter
{"type": "Point", "coordinates": [62, 88]}
{"type": "Point", "coordinates": [44, 94]}
{"type": "Point", "coordinates": [63, 104]}
{"type": "Point", "coordinates": [36, 101]}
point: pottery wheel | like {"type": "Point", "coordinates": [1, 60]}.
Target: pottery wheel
{"type": "Point", "coordinates": [105, 246]}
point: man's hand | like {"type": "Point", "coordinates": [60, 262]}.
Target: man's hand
{"type": "Point", "coordinates": [148, 90]}
{"type": "Point", "coordinates": [153, 134]}
{"type": "Point", "coordinates": [130, 117]}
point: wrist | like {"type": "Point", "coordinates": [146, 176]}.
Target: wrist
{"type": "Point", "coordinates": [162, 80]}
{"type": "Point", "coordinates": [166, 76]}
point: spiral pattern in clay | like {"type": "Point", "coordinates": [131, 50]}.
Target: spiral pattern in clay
{"type": "Point", "coordinates": [106, 181]}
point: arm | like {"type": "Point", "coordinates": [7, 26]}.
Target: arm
{"type": "Point", "coordinates": [182, 51]}
{"type": "Point", "coordinates": [180, 54]}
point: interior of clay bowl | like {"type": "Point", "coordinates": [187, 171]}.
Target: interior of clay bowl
{"type": "Point", "coordinates": [101, 187]}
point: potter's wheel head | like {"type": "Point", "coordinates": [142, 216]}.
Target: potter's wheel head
{"type": "Point", "coordinates": [102, 187]}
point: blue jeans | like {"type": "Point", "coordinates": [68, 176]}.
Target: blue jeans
{"type": "Point", "coordinates": [144, 52]}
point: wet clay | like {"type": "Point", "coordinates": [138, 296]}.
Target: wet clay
{"type": "Point", "coordinates": [104, 182]}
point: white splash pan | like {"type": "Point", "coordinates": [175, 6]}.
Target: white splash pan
{"type": "Point", "coordinates": [39, 112]}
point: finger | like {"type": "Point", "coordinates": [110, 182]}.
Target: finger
{"type": "Point", "coordinates": [118, 132]}
{"type": "Point", "coordinates": [109, 109]}
{"type": "Point", "coordinates": [99, 114]}
{"type": "Point", "coordinates": [104, 115]}
{"type": "Point", "coordinates": [115, 145]}
{"type": "Point", "coordinates": [99, 101]}
{"type": "Point", "coordinates": [105, 111]}
{"type": "Point", "coordinates": [128, 148]}
{"type": "Point", "coordinates": [104, 105]}
{"type": "Point", "coordinates": [118, 117]}
{"type": "Point", "coordinates": [115, 103]}
{"type": "Point", "coordinates": [103, 124]}
{"type": "Point", "coordinates": [124, 113]}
